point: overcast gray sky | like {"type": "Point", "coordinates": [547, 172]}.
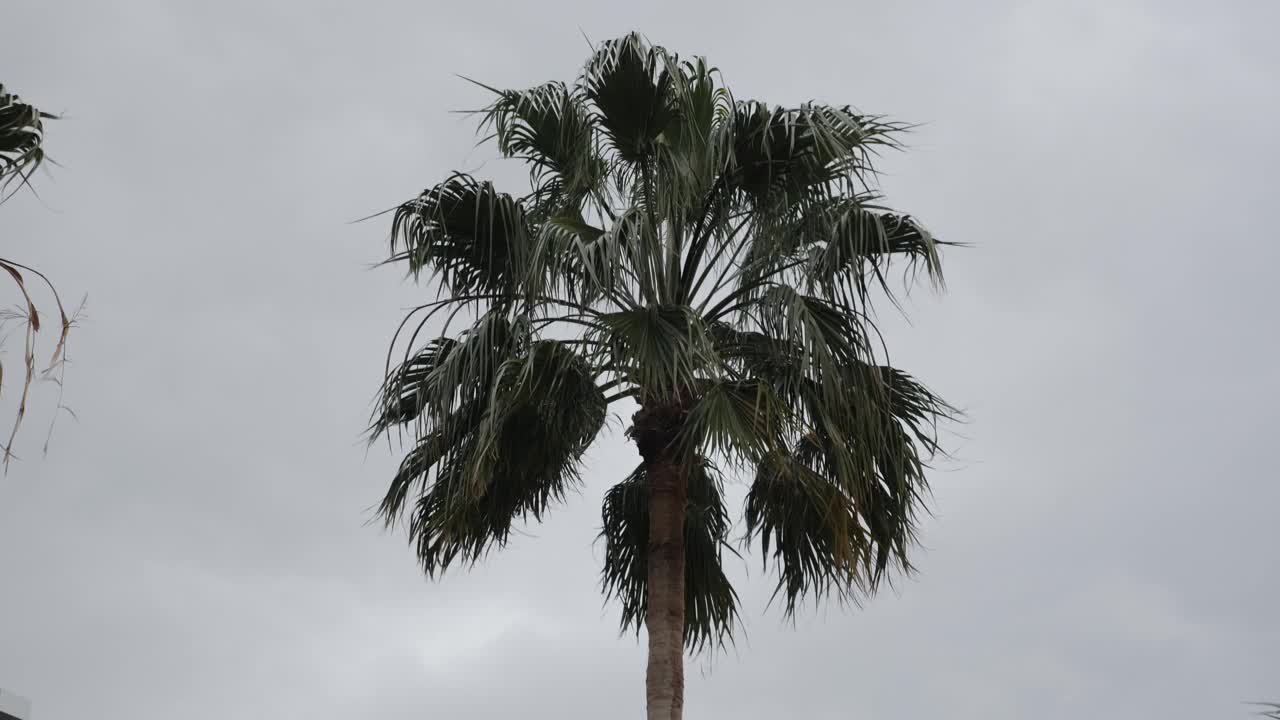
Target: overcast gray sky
{"type": "Point", "coordinates": [195, 546]}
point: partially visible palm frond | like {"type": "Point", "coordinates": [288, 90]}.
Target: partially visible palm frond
{"type": "Point", "coordinates": [710, 601]}
{"type": "Point", "coordinates": [21, 142]}
{"type": "Point", "coordinates": [471, 236]}
{"type": "Point", "coordinates": [1269, 710]}
{"type": "Point", "coordinates": [549, 128]}
{"type": "Point", "coordinates": [838, 509]}
{"type": "Point", "coordinates": [21, 154]}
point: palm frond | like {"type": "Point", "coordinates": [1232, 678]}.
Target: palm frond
{"type": "Point", "coordinates": [839, 509]}
{"type": "Point", "coordinates": [689, 149]}
{"type": "Point", "coordinates": [663, 350]}
{"type": "Point", "coordinates": [549, 127]}
{"type": "Point", "coordinates": [742, 419]}
{"type": "Point", "coordinates": [848, 244]}
{"type": "Point", "coordinates": [629, 87]}
{"type": "Point", "coordinates": [21, 141]}
{"type": "Point", "coordinates": [711, 605]}
{"type": "Point", "coordinates": [408, 387]}
{"type": "Point", "coordinates": [471, 236]}
{"type": "Point", "coordinates": [589, 264]}
{"type": "Point", "coordinates": [806, 527]}
{"type": "Point", "coordinates": [756, 354]}
{"type": "Point", "coordinates": [498, 453]}
{"type": "Point", "coordinates": [830, 334]}
{"type": "Point", "coordinates": [781, 156]}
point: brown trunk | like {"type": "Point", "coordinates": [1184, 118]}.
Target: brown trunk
{"type": "Point", "coordinates": [655, 430]}
{"type": "Point", "coordinates": [664, 680]}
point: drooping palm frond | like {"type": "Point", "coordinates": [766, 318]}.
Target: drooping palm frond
{"type": "Point", "coordinates": [549, 128]}
{"type": "Point", "coordinates": [710, 601]}
{"type": "Point", "coordinates": [465, 232]}
{"type": "Point", "coordinates": [848, 243]}
{"type": "Point", "coordinates": [783, 156]}
{"type": "Point", "coordinates": [21, 154]}
{"type": "Point", "coordinates": [711, 258]}
{"type": "Point", "coordinates": [21, 141]}
{"type": "Point", "coordinates": [506, 448]}
{"type": "Point", "coordinates": [838, 508]}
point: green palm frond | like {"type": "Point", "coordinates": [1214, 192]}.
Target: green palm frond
{"type": "Point", "coordinates": [409, 386]}
{"type": "Point", "coordinates": [828, 334]}
{"type": "Point", "coordinates": [689, 148]}
{"type": "Point", "coordinates": [838, 509]}
{"type": "Point", "coordinates": [742, 420]}
{"type": "Point", "coordinates": [617, 264]}
{"type": "Point", "coordinates": [782, 156]}
{"type": "Point", "coordinates": [806, 526]}
{"type": "Point", "coordinates": [505, 450]}
{"type": "Point", "coordinates": [21, 141]}
{"type": "Point", "coordinates": [850, 241]}
{"type": "Point", "coordinates": [629, 87]}
{"type": "Point", "coordinates": [585, 263]}
{"type": "Point", "coordinates": [549, 127]}
{"type": "Point", "coordinates": [471, 236]}
{"type": "Point", "coordinates": [710, 601]}
{"type": "Point", "coordinates": [662, 349]}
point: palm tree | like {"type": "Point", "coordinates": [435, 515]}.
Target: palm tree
{"type": "Point", "coordinates": [21, 154]}
{"type": "Point", "coordinates": [712, 261]}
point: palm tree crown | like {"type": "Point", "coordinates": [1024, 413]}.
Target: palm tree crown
{"type": "Point", "coordinates": [710, 259]}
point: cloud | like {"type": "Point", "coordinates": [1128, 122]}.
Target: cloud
{"type": "Point", "coordinates": [197, 545]}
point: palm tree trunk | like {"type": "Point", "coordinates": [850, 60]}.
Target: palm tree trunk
{"type": "Point", "coordinates": [664, 679]}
